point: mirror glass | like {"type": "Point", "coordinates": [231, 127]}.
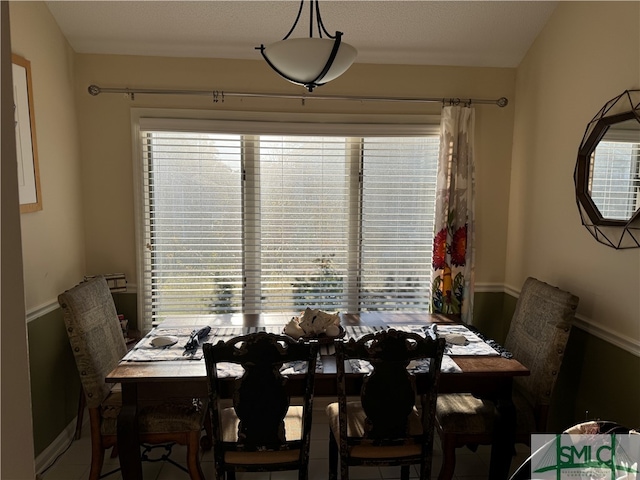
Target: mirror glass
{"type": "Point", "coordinates": [614, 171]}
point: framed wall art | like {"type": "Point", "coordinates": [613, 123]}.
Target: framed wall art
{"type": "Point", "coordinates": [26, 147]}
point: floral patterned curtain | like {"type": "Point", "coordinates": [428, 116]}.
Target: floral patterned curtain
{"type": "Point", "coordinates": [453, 248]}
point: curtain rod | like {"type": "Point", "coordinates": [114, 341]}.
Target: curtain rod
{"type": "Point", "coordinates": [219, 95]}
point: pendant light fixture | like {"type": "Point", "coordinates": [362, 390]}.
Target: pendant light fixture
{"type": "Point", "coordinates": [311, 61]}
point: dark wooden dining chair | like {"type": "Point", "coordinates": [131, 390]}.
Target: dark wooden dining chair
{"type": "Point", "coordinates": [384, 427]}
{"type": "Point", "coordinates": [98, 345]}
{"type": "Point", "coordinates": [537, 338]}
{"type": "Point", "coordinates": [262, 430]}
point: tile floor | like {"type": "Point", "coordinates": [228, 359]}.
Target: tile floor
{"type": "Point", "coordinates": [74, 463]}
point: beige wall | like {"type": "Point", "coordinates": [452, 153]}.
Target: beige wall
{"type": "Point", "coordinates": [588, 53]}
{"type": "Point", "coordinates": [16, 442]}
{"type": "Point", "coordinates": [53, 238]}
{"type": "Point", "coordinates": [106, 133]}
{"type": "Point", "coordinates": [53, 256]}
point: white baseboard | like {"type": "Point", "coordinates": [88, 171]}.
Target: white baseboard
{"type": "Point", "coordinates": [58, 446]}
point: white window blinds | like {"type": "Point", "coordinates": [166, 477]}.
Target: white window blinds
{"type": "Point", "coordinates": [237, 220]}
{"type": "Point", "coordinates": [615, 178]}
{"type": "Point", "coordinates": [398, 208]}
{"type": "Point", "coordinates": [192, 223]}
{"type": "Point", "coordinates": [305, 188]}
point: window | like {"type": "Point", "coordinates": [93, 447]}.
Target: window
{"type": "Point", "coordinates": [615, 178]}
{"type": "Point", "coordinates": [258, 217]}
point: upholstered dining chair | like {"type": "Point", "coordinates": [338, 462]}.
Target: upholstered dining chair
{"type": "Point", "coordinates": [537, 338]}
{"type": "Point", "coordinates": [98, 345]}
{"type": "Point", "coordinates": [384, 427]}
{"type": "Point", "coordinates": [262, 429]}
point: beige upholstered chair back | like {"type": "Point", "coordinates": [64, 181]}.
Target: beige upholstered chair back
{"type": "Point", "coordinates": [95, 335]}
{"type": "Point", "coordinates": [538, 336]}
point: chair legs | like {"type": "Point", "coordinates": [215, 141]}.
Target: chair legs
{"type": "Point", "coordinates": [448, 457]}
{"type": "Point", "coordinates": [333, 456]}
{"type": "Point", "coordinates": [221, 473]}
{"type": "Point", "coordinates": [206, 442]}
{"type": "Point", "coordinates": [97, 459]}
{"type": "Point", "coordinates": [82, 403]}
{"type": "Point", "coordinates": [303, 473]}
{"type": "Point", "coordinates": [344, 469]}
{"type": "Point", "coordinates": [193, 451]}
{"type": "Point", "coordinates": [404, 472]}
{"type": "Point", "coordinates": [334, 459]}
{"type": "Point", "coordinates": [97, 449]}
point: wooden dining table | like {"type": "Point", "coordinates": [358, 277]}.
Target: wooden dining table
{"type": "Point", "coordinates": [150, 379]}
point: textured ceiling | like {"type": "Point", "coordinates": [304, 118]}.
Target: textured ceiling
{"type": "Point", "coordinates": [477, 33]}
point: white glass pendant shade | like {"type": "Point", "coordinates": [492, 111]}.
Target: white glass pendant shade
{"type": "Point", "coordinates": [302, 60]}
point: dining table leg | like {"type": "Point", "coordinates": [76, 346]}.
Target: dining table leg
{"type": "Point", "coordinates": [504, 436]}
{"type": "Point", "coordinates": [128, 437]}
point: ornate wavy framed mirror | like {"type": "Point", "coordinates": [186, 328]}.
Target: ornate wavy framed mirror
{"type": "Point", "coordinates": [607, 173]}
